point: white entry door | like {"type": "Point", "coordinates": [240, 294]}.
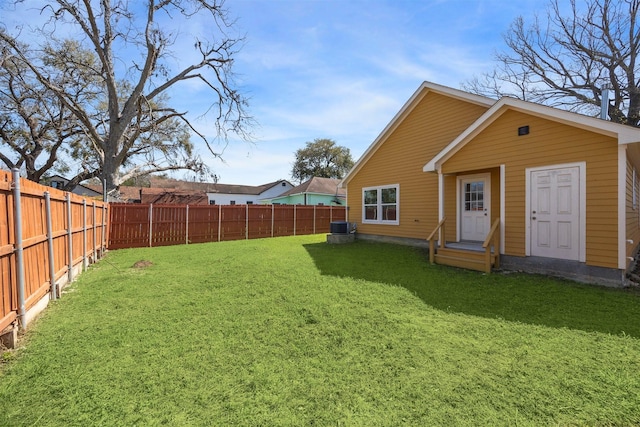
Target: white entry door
{"type": "Point", "coordinates": [555, 213]}
{"type": "Point", "coordinates": [475, 200]}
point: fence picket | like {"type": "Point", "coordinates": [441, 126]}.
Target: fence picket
{"type": "Point", "coordinates": [37, 243]}
{"type": "Point", "coordinates": [232, 222]}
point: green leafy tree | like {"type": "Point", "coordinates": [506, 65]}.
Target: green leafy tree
{"type": "Point", "coordinates": [566, 58]}
{"type": "Point", "coordinates": [321, 158]}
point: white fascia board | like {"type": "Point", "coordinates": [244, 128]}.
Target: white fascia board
{"type": "Point", "coordinates": [623, 133]}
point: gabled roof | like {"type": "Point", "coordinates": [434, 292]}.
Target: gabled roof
{"type": "Point", "coordinates": [317, 185]}
{"type": "Point", "coordinates": [176, 197]}
{"type": "Point", "coordinates": [213, 187]}
{"type": "Point", "coordinates": [406, 109]}
{"type": "Point", "coordinates": [623, 133]}
{"type": "Point", "coordinates": [243, 189]}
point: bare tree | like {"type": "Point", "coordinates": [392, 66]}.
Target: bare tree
{"type": "Point", "coordinates": [35, 126]}
{"type": "Point", "coordinates": [130, 123]}
{"type": "Point", "coordinates": [567, 58]}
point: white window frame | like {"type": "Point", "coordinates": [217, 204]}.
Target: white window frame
{"type": "Point", "coordinates": [379, 205]}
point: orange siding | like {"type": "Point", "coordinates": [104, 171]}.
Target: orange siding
{"type": "Point", "coordinates": [632, 211]}
{"type": "Point", "coordinates": [549, 143]}
{"type": "Point", "coordinates": [434, 122]}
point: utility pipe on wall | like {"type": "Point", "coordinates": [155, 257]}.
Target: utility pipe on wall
{"type": "Point", "coordinates": [17, 222]}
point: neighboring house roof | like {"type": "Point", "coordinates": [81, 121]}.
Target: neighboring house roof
{"type": "Point", "coordinates": [317, 185]}
{"type": "Point", "coordinates": [623, 133]}
{"type": "Point", "coordinates": [243, 189]}
{"type": "Point", "coordinates": [179, 197]}
{"type": "Point", "coordinates": [80, 189]}
{"type": "Point", "coordinates": [213, 187]}
{"type": "Point", "coordinates": [415, 99]}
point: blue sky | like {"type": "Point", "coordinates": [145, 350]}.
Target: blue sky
{"type": "Point", "coordinates": [342, 69]}
{"type": "Point", "coordinates": [338, 69]}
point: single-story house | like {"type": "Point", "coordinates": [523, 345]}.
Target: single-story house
{"type": "Point", "coordinates": [547, 190]}
{"type": "Point", "coordinates": [227, 194]}
{"type": "Point", "coordinates": [57, 181]}
{"type": "Point", "coordinates": [315, 191]}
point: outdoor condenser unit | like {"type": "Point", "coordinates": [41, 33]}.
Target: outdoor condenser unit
{"type": "Point", "coordinates": [339, 227]}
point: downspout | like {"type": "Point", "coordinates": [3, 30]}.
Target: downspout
{"type": "Point", "coordinates": [17, 223]}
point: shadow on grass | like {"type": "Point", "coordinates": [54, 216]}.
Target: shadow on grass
{"type": "Point", "coordinates": [518, 297]}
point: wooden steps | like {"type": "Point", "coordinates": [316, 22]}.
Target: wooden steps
{"type": "Point", "coordinates": [471, 260]}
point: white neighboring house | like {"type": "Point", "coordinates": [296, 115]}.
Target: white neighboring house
{"type": "Point", "coordinates": [57, 181]}
{"type": "Point", "coordinates": [229, 194]}
{"type": "Point", "coordinates": [217, 194]}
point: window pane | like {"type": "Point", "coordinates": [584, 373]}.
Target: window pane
{"type": "Point", "coordinates": [371, 212]}
{"type": "Point", "coordinates": [370, 197]}
{"type": "Point", "coordinates": [388, 195]}
{"type": "Point", "coordinates": [389, 213]}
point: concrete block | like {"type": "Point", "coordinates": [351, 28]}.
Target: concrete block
{"type": "Point", "coordinates": [340, 238]}
{"type": "Point", "coordinates": [9, 338]}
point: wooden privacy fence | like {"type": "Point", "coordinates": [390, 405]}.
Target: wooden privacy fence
{"type": "Point", "coordinates": [47, 236]}
{"type": "Point", "coordinates": [134, 225]}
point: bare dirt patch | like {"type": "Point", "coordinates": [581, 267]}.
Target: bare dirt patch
{"type": "Point", "coordinates": [142, 264]}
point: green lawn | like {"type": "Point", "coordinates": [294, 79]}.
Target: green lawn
{"type": "Point", "coordinates": [292, 331]}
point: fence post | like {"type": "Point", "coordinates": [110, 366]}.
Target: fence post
{"type": "Point", "coordinates": [103, 231]}
{"type": "Point", "coordinates": [52, 272]}
{"type": "Point", "coordinates": [330, 214]}
{"type": "Point", "coordinates": [17, 223]}
{"type": "Point", "coordinates": [69, 237]}
{"type": "Point", "coordinates": [314, 219]}
{"type": "Point", "coordinates": [84, 234]}
{"type": "Point", "coordinates": [273, 210]}
{"type": "Point", "coordinates": [294, 219]}
{"type": "Point", "coordinates": [94, 225]}
{"type": "Point", "coordinates": [219, 221]}
{"type": "Point", "coordinates": [246, 222]}
{"type": "Point", "coordinates": [150, 223]}
{"type": "Point", "coordinates": [186, 231]}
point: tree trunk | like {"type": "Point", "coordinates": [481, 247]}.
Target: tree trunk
{"type": "Point", "coordinates": [110, 169]}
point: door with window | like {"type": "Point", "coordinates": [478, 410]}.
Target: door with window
{"type": "Point", "coordinates": [475, 202]}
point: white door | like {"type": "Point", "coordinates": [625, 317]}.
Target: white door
{"type": "Point", "coordinates": [555, 213]}
{"type": "Point", "coordinates": [474, 207]}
